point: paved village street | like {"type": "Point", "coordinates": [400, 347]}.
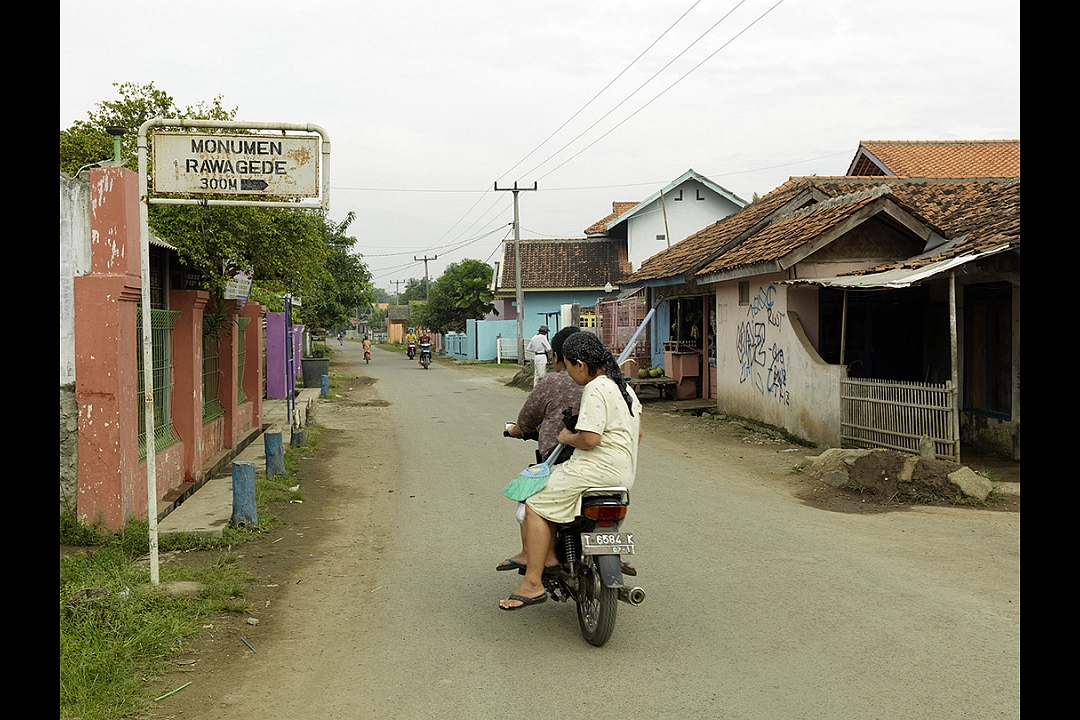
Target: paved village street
{"type": "Point", "coordinates": [379, 598]}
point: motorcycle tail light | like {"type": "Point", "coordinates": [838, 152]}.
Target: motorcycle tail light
{"type": "Point", "coordinates": [605, 513]}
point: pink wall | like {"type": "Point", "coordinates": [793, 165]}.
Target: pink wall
{"type": "Point", "coordinates": [112, 479]}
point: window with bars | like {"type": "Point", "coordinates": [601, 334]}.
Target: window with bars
{"type": "Point", "coordinates": [211, 375]}
{"type": "Point", "coordinates": [161, 326]}
{"type": "Point", "coordinates": [240, 353]}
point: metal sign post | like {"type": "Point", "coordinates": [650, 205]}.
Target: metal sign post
{"type": "Point", "coordinates": [251, 163]}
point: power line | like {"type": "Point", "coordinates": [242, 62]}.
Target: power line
{"type": "Point", "coordinates": [638, 89]}
{"type": "Point", "coordinates": [669, 87]}
{"type": "Point", "coordinates": [728, 173]}
{"type": "Point", "coordinates": [603, 89]}
{"type": "Point", "coordinates": [447, 248]}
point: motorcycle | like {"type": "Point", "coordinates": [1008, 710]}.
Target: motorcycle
{"type": "Point", "coordinates": [411, 351]}
{"type": "Point", "coordinates": [590, 550]}
{"type": "Point", "coordinates": [425, 354]}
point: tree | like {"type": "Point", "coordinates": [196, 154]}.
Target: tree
{"type": "Point", "coordinates": [461, 293]}
{"type": "Point", "coordinates": [346, 284]}
{"type": "Point", "coordinates": [415, 289]}
{"type": "Point", "coordinates": [86, 141]}
{"type": "Point", "coordinates": [284, 250]}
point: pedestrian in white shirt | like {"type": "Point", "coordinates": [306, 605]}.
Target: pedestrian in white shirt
{"type": "Point", "coordinates": [541, 350]}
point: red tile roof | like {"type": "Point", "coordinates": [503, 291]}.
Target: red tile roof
{"type": "Point", "coordinates": [938, 158]}
{"type": "Point", "coordinates": [972, 214]}
{"type": "Point", "coordinates": [600, 226]}
{"type": "Point", "coordinates": [689, 254]}
{"type": "Point", "coordinates": [568, 263]}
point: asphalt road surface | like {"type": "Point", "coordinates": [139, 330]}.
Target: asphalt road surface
{"type": "Point", "coordinates": [758, 606]}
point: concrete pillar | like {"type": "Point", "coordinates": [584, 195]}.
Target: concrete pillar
{"type": "Point", "coordinates": [227, 385]}
{"type": "Point", "coordinates": [253, 366]}
{"type": "Point", "coordinates": [187, 395]}
{"type": "Point", "coordinates": [112, 485]}
{"type": "Point", "coordinates": [275, 355]}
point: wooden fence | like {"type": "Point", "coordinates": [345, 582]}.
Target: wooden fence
{"type": "Point", "coordinates": [896, 415]}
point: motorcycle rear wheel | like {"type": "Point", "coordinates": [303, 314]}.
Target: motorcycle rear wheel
{"type": "Point", "coordinates": [597, 605]}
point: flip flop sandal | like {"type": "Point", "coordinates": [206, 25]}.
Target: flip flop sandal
{"type": "Point", "coordinates": [525, 601]}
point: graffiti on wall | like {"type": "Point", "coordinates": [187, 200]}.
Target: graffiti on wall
{"type": "Point", "coordinates": [762, 363]}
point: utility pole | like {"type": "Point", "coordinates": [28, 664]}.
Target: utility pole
{"type": "Point", "coordinates": [427, 283]}
{"type": "Point", "coordinates": [397, 290]}
{"type": "Point", "coordinates": [517, 266]}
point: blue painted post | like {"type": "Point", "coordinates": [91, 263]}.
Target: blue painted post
{"type": "Point", "coordinates": [275, 454]}
{"type": "Point", "coordinates": [325, 388]}
{"type": "Point", "coordinates": [243, 489]}
{"type": "Point", "coordinates": [297, 439]}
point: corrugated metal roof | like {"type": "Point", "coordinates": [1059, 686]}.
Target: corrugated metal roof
{"type": "Point", "coordinates": [897, 277]}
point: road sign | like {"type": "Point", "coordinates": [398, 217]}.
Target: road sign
{"type": "Point", "coordinates": [284, 166]}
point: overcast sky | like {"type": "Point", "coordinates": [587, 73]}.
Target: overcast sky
{"type": "Point", "coordinates": [429, 102]}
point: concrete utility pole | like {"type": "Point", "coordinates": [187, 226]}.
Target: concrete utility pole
{"type": "Point", "coordinates": [397, 290]}
{"type": "Point", "coordinates": [517, 267]}
{"type": "Point", "coordinates": [427, 283]}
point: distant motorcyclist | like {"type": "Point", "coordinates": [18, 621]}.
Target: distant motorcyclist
{"type": "Point", "coordinates": [410, 343]}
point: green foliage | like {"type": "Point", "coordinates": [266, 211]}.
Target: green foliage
{"type": "Point", "coordinates": [377, 318]}
{"type": "Point", "coordinates": [415, 289]}
{"type": "Point", "coordinates": [283, 250]}
{"type": "Point", "coordinates": [461, 293]}
{"type": "Point", "coordinates": [345, 284]}
{"type": "Point", "coordinates": [116, 629]}
{"type": "Point", "coordinates": [73, 532]}
{"type": "Point", "coordinates": [86, 141]}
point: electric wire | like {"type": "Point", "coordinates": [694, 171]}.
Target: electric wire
{"type": "Point", "coordinates": [637, 90]}
{"type": "Point", "coordinates": [662, 92]}
{"type": "Point", "coordinates": [603, 89]}
{"type": "Point", "coordinates": [551, 157]}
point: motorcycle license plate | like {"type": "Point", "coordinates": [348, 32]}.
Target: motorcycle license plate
{"type": "Point", "coordinates": [607, 543]}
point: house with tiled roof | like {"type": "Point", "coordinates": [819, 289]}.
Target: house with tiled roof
{"type": "Point", "coordinates": [831, 288]}
{"type": "Point", "coordinates": [557, 272]}
{"type": "Point", "coordinates": [937, 158]}
{"type": "Point", "coordinates": [680, 208]}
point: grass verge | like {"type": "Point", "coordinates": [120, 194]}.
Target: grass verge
{"type": "Point", "coordinates": [117, 630]}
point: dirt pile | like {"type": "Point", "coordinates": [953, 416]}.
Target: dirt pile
{"type": "Point", "coordinates": [523, 380]}
{"type": "Point", "coordinates": [897, 477]}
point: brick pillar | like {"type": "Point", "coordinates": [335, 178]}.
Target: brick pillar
{"type": "Point", "coordinates": [112, 486]}
{"type": "Point", "coordinates": [227, 384]}
{"type": "Point", "coordinates": [253, 365]}
{"type": "Point", "coordinates": [187, 395]}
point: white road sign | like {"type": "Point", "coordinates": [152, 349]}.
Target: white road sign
{"type": "Point", "coordinates": [285, 166]}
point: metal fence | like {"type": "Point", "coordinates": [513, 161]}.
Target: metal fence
{"type": "Point", "coordinates": [896, 415]}
{"type": "Point", "coordinates": [161, 326]}
{"type": "Point", "coordinates": [618, 319]}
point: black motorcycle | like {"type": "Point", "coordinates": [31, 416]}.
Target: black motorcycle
{"type": "Point", "coordinates": [590, 550]}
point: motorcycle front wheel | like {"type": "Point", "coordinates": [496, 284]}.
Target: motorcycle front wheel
{"type": "Point", "coordinates": [597, 605]}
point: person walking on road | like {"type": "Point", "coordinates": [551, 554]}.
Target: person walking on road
{"type": "Point", "coordinates": [541, 350]}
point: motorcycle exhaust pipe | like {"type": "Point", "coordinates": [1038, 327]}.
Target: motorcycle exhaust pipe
{"type": "Point", "coordinates": [632, 596]}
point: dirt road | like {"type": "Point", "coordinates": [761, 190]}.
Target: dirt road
{"type": "Point", "coordinates": [378, 600]}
